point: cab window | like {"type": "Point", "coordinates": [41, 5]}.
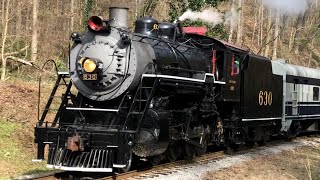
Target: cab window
{"type": "Point", "coordinates": [235, 65]}
{"type": "Point", "coordinates": [315, 93]}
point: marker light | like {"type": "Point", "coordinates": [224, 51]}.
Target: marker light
{"type": "Point", "coordinates": [95, 23]}
{"type": "Point", "coordinates": [89, 65]}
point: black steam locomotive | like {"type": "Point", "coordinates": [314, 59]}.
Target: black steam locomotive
{"type": "Point", "coordinates": [160, 94]}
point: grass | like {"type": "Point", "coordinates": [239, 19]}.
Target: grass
{"type": "Point", "coordinates": [8, 148]}
{"type": "Point", "coordinates": [15, 159]}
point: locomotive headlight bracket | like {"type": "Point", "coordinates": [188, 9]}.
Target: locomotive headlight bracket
{"type": "Point", "coordinates": [88, 65]}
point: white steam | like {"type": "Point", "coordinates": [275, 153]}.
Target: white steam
{"type": "Point", "coordinates": [287, 7]}
{"type": "Point", "coordinates": [211, 16]}
{"type": "Point", "coordinates": [231, 17]}
{"type": "Point", "coordinates": [208, 15]}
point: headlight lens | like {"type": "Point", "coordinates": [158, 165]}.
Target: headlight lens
{"type": "Point", "coordinates": [89, 65]}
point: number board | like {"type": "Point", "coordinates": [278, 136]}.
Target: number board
{"type": "Point", "coordinates": [89, 77]}
{"type": "Point", "coordinates": [265, 98]}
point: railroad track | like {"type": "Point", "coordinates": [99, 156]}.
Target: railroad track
{"type": "Point", "coordinates": [166, 168]}
{"type": "Point", "coordinates": [135, 174]}
{"type": "Point", "coordinates": [162, 169]}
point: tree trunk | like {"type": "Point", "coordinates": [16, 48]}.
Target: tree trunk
{"type": "Point", "coordinates": [291, 38]}
{"type": "Point", "coordinates": [255, 24]}
{"type": "Point", "coordinates": [266, 50]}
{"type": "Point", "coordinates": [72, 16]}
{"type": "Point", "coordinates": [299, 26]}
{"type": "Point", "coordinates": [136, 8]}
{"type": "Point", "coordinates": [276, 35]}
{"type": "Point", "coordinates": [34, 40]}
{"type": "Point", "coordinates": [27, 23]}
{"type": "Point", "coordinates": [231, 25]}
{"type": "Point", "coordinates": [3, 13]}
{"type": "Point", "coordinates": [261, 27]}
{"type": "Point", "coordinates": [239, 30]}
{"type": "Point", "coordinates": [4, 38]}
{"type": "Point", "coordinates": [19, 19]}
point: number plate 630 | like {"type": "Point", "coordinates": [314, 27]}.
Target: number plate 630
{"type": "Point", "coordinates": [89, 77]}
{"type": "Point", "coordinates": [265, 98]}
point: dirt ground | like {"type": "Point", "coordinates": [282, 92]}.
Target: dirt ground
{"type": "Point", "coordinates": [302, 163]}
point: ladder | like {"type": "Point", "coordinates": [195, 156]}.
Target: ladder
{"type": "Point", "coordinates": [62, 80]}
{"type": "Point", "coordinates": [120, 107]}
{"type": "Point", "coordinates": [141, 102]}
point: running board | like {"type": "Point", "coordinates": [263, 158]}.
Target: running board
{"type": "Point", "coordinates": [184, 78]}
{"type": "Point", "coordinates": [80, 169]}
{"type": "Point", "coordinates": [91, 109]}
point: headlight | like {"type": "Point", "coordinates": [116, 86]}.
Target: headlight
{"type": "Point", "coordinates": [89, 65]}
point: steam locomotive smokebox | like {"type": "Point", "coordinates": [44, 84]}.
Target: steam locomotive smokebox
{"type": "Point", "coordinates": [119, 16]}
{"type": "Point", "coordinates": [166, 30]}
{"type": "Point", "coordinates": [147, 25]}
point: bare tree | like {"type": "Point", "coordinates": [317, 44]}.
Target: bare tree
{"type": "Point", "coordinates": [268, 36]}
{"type": "Point", "coordinates": [298, 34]}
{"type": "Point", "coordinates": [276, 35]}
{"type": "Point", "coordinates": [240, 18]}
{"type": "Point", "coordinates": [4, 38]}
{"type": "Point", "coordinates": [19, 18]}
{"type": "Point", "coordinates": [72, 15]}
{"type": "Point", "coordinates": [261, 19]}
{"type": "Point", "coordinates": [231, 25]}
{"type": "Point", "coordinates": [136, 8]}
{"type": "Point", "coordinates": [293, 31]}
{"type": "Point", "coordinates": [34, 41]}
{"type": "Point", "coordinates": [255, 23]}
{"type": "Point", "coordinates": [3, 12]}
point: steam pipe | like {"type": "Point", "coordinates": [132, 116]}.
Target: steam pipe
{"type": "Point", "coordinates": [177, 24]}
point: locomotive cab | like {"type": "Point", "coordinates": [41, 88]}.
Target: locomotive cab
{"type": "Point", "coordinates": [228, 60]}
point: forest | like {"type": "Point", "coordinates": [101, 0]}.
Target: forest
{"type": "Point", "coordinates": [34, 31]}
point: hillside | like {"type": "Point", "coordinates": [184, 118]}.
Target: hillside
{"type": "Point", "coordinates": [18, 115]}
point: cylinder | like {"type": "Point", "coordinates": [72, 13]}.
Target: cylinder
{"type": "Point", "coordinates": [118, 16]}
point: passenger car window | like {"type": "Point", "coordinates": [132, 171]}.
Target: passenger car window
{"type": "Point", "coordinates": [315, 93]}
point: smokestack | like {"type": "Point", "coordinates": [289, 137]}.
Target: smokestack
{"type": "Point", "coordinates": [119, 16]}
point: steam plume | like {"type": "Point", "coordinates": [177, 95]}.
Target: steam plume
{"type": "Point", "coordinates": [231, 17]}
{"type": "Point", "coordinates": [210, 16]}
{"type": "Point", "coordinates": [287, 7]}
